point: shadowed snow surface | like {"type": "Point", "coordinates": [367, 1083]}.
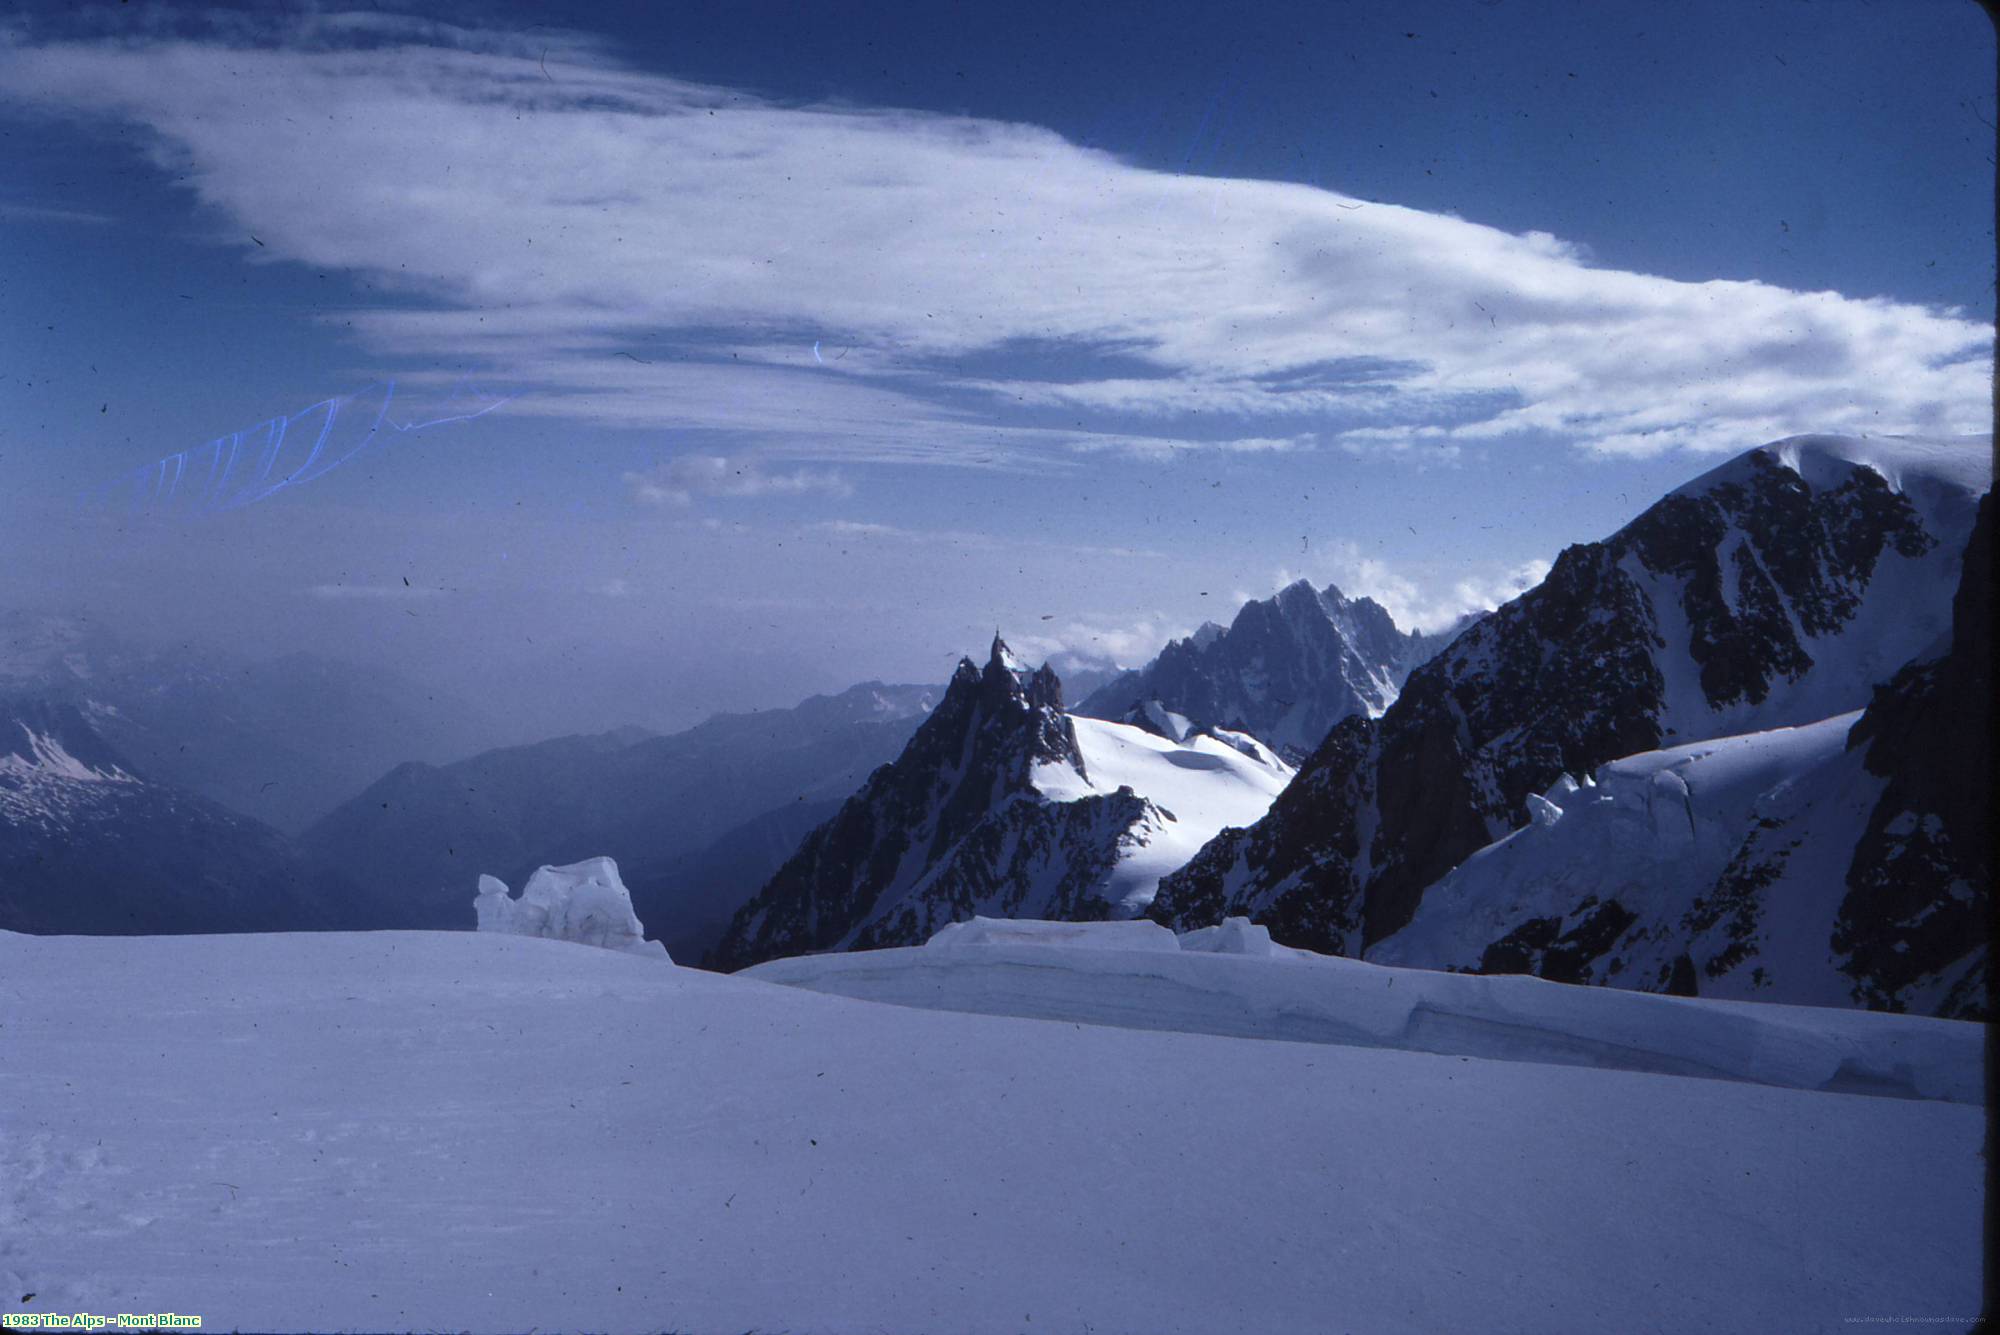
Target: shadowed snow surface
{"type": "Point", "coordinates": [1233, 980]}
{"type": "Point", "coordinates": [484, 1131]}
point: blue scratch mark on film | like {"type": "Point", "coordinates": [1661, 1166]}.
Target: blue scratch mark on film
{"type": "Point", "coordinates": [256, 463]}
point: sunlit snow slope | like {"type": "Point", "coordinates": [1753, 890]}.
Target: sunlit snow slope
{"type": "Point", "coordinates": [1198, 787]}
{"type": "Point", "coordinates": [490, 1132]}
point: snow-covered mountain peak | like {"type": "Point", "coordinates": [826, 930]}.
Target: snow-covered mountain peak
{"type": "Point", "coordinates": [1928, 470]}
{"type": "Point", "coordinates": [1285, 670]}
{"type": "Point", "coordinates": [44, 753]}
{"type": "Point", "coordinates": [55, 741]}
{"type": "Point", "coordinates": [1004, 658]}
{"type": "Point", "coordinates": [1771, 593]}
{"type": "Point", "coordinates": [1008, 678]}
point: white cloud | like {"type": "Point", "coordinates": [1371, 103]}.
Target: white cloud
{"type": "Point", "coordinates": [686, 476]}
{"type": "Point", "coordinates": [1124, 642]}
{"type": "Point", "coordinates": [555, 227]}
{"type": "Point", "coordinates": [1149, 447]}
{"type": "Point", "coordinates": [1421, 605]}
{"type": "Point", "coordinates": [850, 528]}
{"type": "Point", "coordinates": [968, 538]}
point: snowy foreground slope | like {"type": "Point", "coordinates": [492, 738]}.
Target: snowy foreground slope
{"type": "Point", "coordinates": [491, 1132]}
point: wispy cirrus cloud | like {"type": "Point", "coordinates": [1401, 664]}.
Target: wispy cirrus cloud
{"type": "Point", "coordinates": [868, 531]}
{"type": "Point", "coordinates": [1100, 639]}
{"type": "Point", "coordinates": [556, 227]}
{"type": "Point", "coordinates": [684, 477]}
{"type": "Point", "coordinates": [369, 592]}
{"type": "Point", "coordinates": [18, 212]}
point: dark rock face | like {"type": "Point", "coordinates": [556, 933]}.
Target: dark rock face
{"type": "Point", "coordinates": [1733, 604]}
{"type": "Point", "coordinates": [89, 847]}
{"type": "Point", "coordinates": [1027, 860]}
{"type": "Point", "coordinates": [1559, 680]}
{"type": "Point", "coordinates": [954, 826]}
{"type": "Point", "coordinates": [1309, 863]}
{"type": "Point", "coordinates": [1919, 890]}
{"type": "Point", "coordinates": [1800, 550]}
{"type": "Point", "coordinates": [1285, 671]}
{"type": "Point", "coordinates": [1542, 947]}
{"type": "Point", "coordinates": [1733, 910]}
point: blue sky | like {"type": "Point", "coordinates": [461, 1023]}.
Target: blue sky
{"type": "Point", "coordinates": [831, 337]}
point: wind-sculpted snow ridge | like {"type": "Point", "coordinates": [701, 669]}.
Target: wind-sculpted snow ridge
{"type": "Point", "coordinates": [1774, 591]}
{"type": "Point", "coordinates": [1230, 980]}
{"type": "Point", "coordinates": [584, 902]}
{"type": "Point", "coordinates": [476, 1131]}
{"type": "Point", "coordinates": [976, 933]}
{"type": "Point", "coordinates": [1003, 805]}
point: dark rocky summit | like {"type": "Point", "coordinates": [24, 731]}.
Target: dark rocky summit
{"type": "Point", "coordinates": [1285, 670]}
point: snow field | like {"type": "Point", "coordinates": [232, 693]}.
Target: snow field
{"type": "Point", "coordinates": [493, 1132]}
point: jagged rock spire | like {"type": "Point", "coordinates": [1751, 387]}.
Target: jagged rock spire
{"type": "Point", "coordinates": [942, 824]}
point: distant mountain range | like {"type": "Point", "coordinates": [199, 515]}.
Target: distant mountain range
{"type": "Point", "coordinates": [282, 740]}
{"type": "Point", "coordinates": [1738, 748]}
{"type": "Point", "coordinates": [696, 821]}
{"type": "Point", "coordinates": [90, 845]}
{"type": "Point", "coordinates": [92, 841]}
